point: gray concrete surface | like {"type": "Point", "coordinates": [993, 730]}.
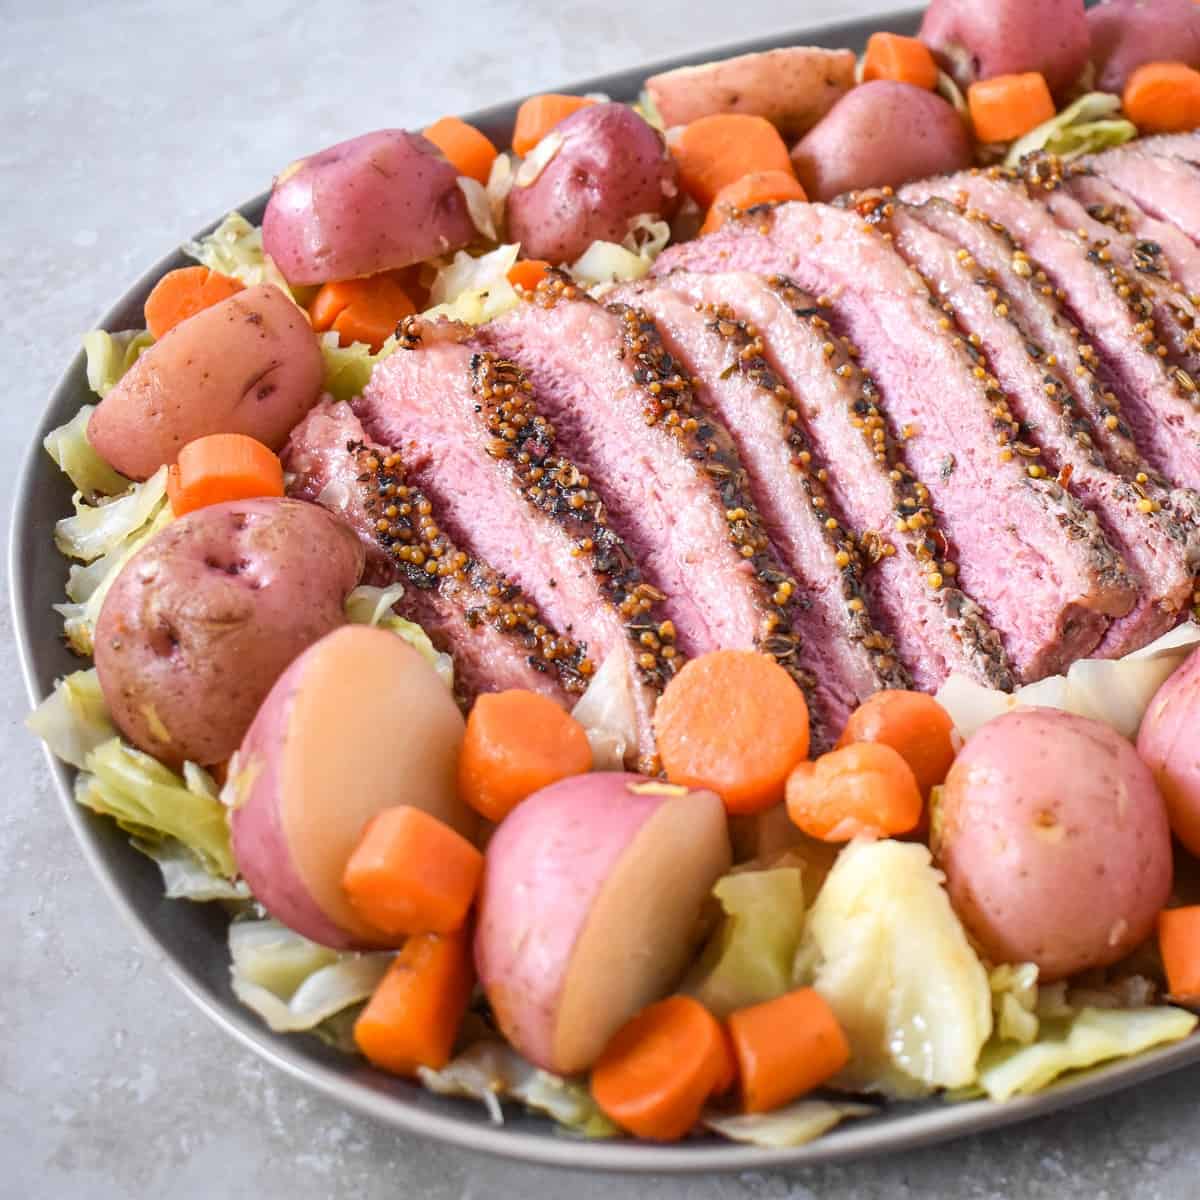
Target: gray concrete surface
{"type": "Point", "coordinates": [124, 127]}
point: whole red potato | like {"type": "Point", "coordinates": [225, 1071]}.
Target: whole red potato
{"type": "Point", "coordinates": [1128, 33]}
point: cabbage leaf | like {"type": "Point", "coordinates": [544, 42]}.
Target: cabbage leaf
{"type": "Point", "coordinates": [235, 248]}
{"type": "Point", "coordinates": [110, 355]}
{"type": "Point", "coordinates": [474, 290]}
{"type": "Point", "coordinates": [348, 368]}
{"type": "Point", "coordinates": [1091, 124]}
{"type": "Point", "coordinates": [74, 719]}
{"type": "Point", "coordinates": [794, 1125]}
{"type": "Point", "coordinates": [608, 712]}
{"type": "Point", "coordinates": [368, 605]}
{"type": "Point", "coordinates": [73, 455]}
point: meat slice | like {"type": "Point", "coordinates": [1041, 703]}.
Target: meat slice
{"type": "Point", "coordinates": [1158, 397]}
{"type": "Point", "coordinates": [1057, 437]}
{"type": "Point", "coordinates": [1032, 556]}
{"type": "Point", "coordinates": [788, 482]}
{"type": "Point", "coordinates": [469, 610]}
{"type": "Point", "coordinates": [935, 627]}
{"type": "Point", "coordinates": [472, 437]}
{"type": "Point", "coordinates": [673, 483]}
{"type": "Point", "coordinates": [1164, 185]}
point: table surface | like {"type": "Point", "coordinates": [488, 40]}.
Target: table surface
{"type": "Point", "coordinates": [126, 126]}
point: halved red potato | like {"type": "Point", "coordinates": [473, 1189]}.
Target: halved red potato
{"type": "Point", "coordinates": [590, 907]}
{"type": "Point", "coordinates": [359, 723]}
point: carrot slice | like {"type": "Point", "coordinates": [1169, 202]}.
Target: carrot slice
{"type": "Point", "coordinates": [1179, 945]}
{"type": "Point", "coordinates": [914, 724]}
{"type": "Point", "coordinates": [539, 114]}
{"type": "Point", "coordinates": [715, 151]}
{"type": "Point", "coordinates": [183, 293]}
{"type": "Point", "coordinates": [903, 59]}
{"type": "Point", "coordinates": [1009, 106]}
{"type": "Point", "coordinates": [468, 148]}
{"type": "Point", "coordinates": [736, 722]}
{"type": "Point", "coordinates": [220, 467]}
{"type": "Point", "coordinates": [410, 873]}
{"type": "Point", "coordinates": [863, 789]}
{"type": "Point", "coordinates": [528, 273]}
{"type": "Point", "coordinates": [1163, 97]}
{"type": "Point", "coordinates": [413, 1017]}
{"type": "Point", "coordinates": [759, 187]}
{"type": "Point", "coordinates": [516, 743]}
{"type": "Point", "coordinates": [661, 1067]}
{"type": "Point", "coordinates": [786, 1047]}
{"type": "Point", "coordinates": [361, 310]}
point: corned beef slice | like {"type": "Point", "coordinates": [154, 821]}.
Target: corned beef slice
{"type": "Point", "coordinates": [1031, 555]}
{"type": "Point", "coordinates": [1165, 185]}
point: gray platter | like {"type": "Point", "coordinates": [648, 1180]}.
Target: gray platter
{"type": "Point", "coordinates": [191, 937]}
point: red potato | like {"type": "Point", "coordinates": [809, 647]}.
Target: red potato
{"type": "Point", "coordinates": [882, 134]}
{"type": "Point", "coordinates": [599, 168]}
{"type": "Point", "coordinates": [374, 203]}
{"type": "Point", "coordinates": [592, 890]}
{"type": "Point", "coordinates": [250, 364]}
{"type": "Point", "coordinates": [1169, 743]}
{"type": "Point", "coordinates": [206, 616]}
{"type": "Point", "coordinates": [1054, 841]}
{"type": "Point", "coordinates": [358, 724]}
{"type": "Point", "coordinates": [792, 87]}
{"type": "Point", "coordinates": [977, 40]}
{"type": "Point", "coordinates": [1128, 33]}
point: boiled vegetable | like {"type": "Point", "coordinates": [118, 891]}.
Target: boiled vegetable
{"type": "Point", "coordinates": [1169, 745]}
{"type": "Point", "coordinates": [718, 150]}
{"type": "Point", "coordinates": [913, 724]}
{"type": "Point", "coordinates": [183, 293]}
{"type": "Point", "coordinates": [222, 467]}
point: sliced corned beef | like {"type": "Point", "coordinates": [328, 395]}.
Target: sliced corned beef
{"type": "Point", "coordinates": [470, 611]}
{"type": "Point", "coordinates": [672, 482]}
{"type": "Point", "coordinates": [472, 437]}
{"type": "Point", "coordinates": [1032, 556]}
{"type": "Point", "coordinates": [1165, 186]}
{"type": "Point", "coordinates": [911, 593]}
{"type": "Point", "coordinates": [1056, 437]}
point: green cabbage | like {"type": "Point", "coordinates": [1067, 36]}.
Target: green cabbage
{"type": "Point", "coordinates": [367, 605]}
{"type": "Point", "coordinates": [748, 959]}
{"type": "Point", "coordinates": [348, 368]}
{"type": "Point", "coordinates": [110, 355]}
{"type": "Point", "coordinates": [474, 290]}
{"type": "Point", "coordinates": [74, 719]}
{"type": "Point", "coordinates": [185, 877]}
{"type": "Point", "coordinates": [235, 248]}
{"type": "Point", "coordinates": [73, 455]}
{"type": "Point", "coordinates": [603, 264]}
{"type": "Point", "coordinates": [795, 1125]}
{"type": "Point", "coordinates": [1088, 125]}
{"type": "Point", "coordinates": [1015, 1002]}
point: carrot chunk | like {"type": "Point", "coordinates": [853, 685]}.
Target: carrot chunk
{"type": "Point", "coordinates": [1163, 97]}
{"type": "Point", "coordinates": [903, 59]}
{"type": "Point", "coordinates": [1179, 945]}
{"type": "Point", "coordinates": [661, 1067]}
{"type": "Point", "coordinates": [786, 1047]}
{"type": "Point", "coordinates": [863, 789]}
{"type": "Point", "coordinates": [1009, 106]}
{"type": "Point", "coordinates": [528, 273]}
{"type": "Point", "coordinates": [361, 310]}
{"type": "Point", "coordinates": [183, 293]}
{"type": "Point", "coordinates": [915, 725]}
{"type": "Point", "coordinates": [736, 722]}
{"type": "Point", "coordinates": [221, 467]}
{"type": "Point", "coordinates": [413, 1017]}
{"type": "Point", "coordinates": [539, 114]}
{"type": "Point", "coordinates": [715, 151]}
{"type": "Point", "coordinates": [759, 187]}
{"type": "Point", "coordinates": [469, 149]}
{"type": "Point", "coordinates": [516, 743]}
{"type": "Point", "coordinates": [411, 873]}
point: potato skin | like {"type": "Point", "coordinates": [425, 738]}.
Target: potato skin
{"type": "Point", "coordinates": [202, 621]}
{"type": "Point", "coordinates": [610, 167]}
{"type": "Point", "coordinates": [1054, 841]}
{"type": "Point", "coordinates": [1169, 743]}
{"type": "Point", "coordinates": [882, 134]}
{"type": "Point", "coordinates": [250, 364]}
{"type": "Point", "coordinates": [373, 203]}
{"type": "Point", "coordinates": [1126, 34]}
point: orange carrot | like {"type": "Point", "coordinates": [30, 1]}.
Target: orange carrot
{"type": "Point", "coordinates": [864, 788]}
{"type": "Point", "coordinates": [661, 1067]}
{"type": "Point", "coordinates": [786, 1047]}
{"type": "Point", "coordinates": [469, 149]}
{"type": "Point", "coordinates": [528, 273]}
{"type": "Point", "coordinates": [183, 293]}
{"type": "Point", "coordinates": [915, 725]}
{"type": "Point", "coordinates": [410, 873]}
{"type": "Point", "coordinates": [1163, 97]}
{"type": "Point", "coordinates": [1009, 106]}
{"type": "Point", "coordinates": [903, 59]}
{"type": "Point", "coordinates": [736, 722]}
{"type": "Point", "coordinates": [1179, 945]}
{"type": "Point", "coordinates": [220, 467]}
{"type": "Point", "coordinates": [413, 1017]}
{"type": "Point", "coordinates": [361, 310]}
{"type": "Point", "coordinates": [516, 743]}
{"type": "Point", "coordinates": [715, 151]}
{"type": "Point", "coordinates": [759, 187]}
{"type": "Point", "coordinates": [539, 114]}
